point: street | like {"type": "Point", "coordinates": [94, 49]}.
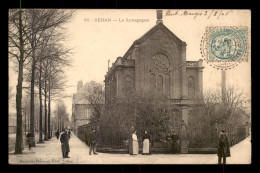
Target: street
{"type": "Point", "coordinates": [50, 153]}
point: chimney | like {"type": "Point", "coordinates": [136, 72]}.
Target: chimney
{"type": "Point", "coordinates": [79, 86]}
{"type": "Point", "coordinates": [223, 85]}
{"type": "Point", "coordinates": [159, 16]}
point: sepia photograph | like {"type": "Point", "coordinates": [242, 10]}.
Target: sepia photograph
{"type": "Point", "coordinates": [129, 86]}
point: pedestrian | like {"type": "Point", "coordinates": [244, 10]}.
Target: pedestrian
{"type": "Point", "coordinates": [130, 139]}
{"type": "Point", "coordinates": [175, 143]}
{"type": "Point", "coordinates": [223, 147]}
{"type": "Point", "coordinates": [168, 140]}
{"type": "Point", "coordinates": [57, 134]}
{"type": "Point", "coordinates": [146, 142]}
{"type": "Point", "coordinates": [135, 143]}
{"type": "Point", "coordinates": [29, 139]}
{"type": "Point", "coordinates": [69, 133]}
{"type": "Point", "coordinates": [93, 142]}
{"type": "Point", "coordinates": [65, 148]}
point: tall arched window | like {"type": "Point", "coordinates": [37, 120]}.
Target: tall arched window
{"type": "Point", "coordinates": [152, 79]}
{"type": "Point", "coordinates": [114, 85]}
{"type": "Point", "coordinates": [191, 87]}
{"type": "Point", "coordinates": [160, 85]}
{"type": "Point", "coordinates": [128, 85]}
{"type": "Point", "coordinates": [167, 86]}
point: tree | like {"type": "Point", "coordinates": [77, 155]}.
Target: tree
{"type": "Point", "coordinates": [18, 49]}
{"type": "Point", "coordinates": [96, 98]}
{"type": "Point", "coordinates": [144, 111]}
{"type": "Point", "coordinates": [217, 109]}
{"type": "Point", "coordinates": [213, 113]}
{"type": "Point", "coordinates": [153, 114]}
{"type": "Point", "coordinates": [40, 23]}
{"type": "Point", "coordinates": [61, 115]}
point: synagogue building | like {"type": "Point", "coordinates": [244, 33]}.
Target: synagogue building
{"type": "Point", "coordinates": [157, 62]}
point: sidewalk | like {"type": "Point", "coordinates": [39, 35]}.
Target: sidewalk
{"type": "Point", "coordinates": [50, 153]}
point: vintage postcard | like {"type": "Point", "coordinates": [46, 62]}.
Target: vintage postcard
{"type": "Point", "coordinates": [114, 86]}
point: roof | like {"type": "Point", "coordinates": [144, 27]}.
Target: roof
{"type": "Point", "coordinates": [149, 33]}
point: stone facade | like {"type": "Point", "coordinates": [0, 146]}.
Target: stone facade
{"type": "Point", "coordinates": [81, 109]}
{"type": "Point", "coordinates": [156, 62]}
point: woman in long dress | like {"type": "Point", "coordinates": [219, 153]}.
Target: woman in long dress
{"type": "Point", "coordinates": [146, 141]}
{"type": "Point", "coordinates": [135, 143]}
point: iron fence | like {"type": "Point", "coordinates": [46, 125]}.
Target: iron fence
{"type": "Point", "coordinates": [198, 137]}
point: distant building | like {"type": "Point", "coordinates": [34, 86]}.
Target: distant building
{"type": "Point", "coordinates": [81, 108]}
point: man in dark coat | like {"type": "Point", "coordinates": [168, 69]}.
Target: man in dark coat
{"type": "Point", "coordinates": [65, 148]}
{"type": "Point", "coordinates": [57, 134]}
{"type": "Point", "coordinates": [69, 133]}
{"type": "Point", "coordinates": [92, 142]}
{"type": "Point", "coordinates": [29, 138]}
{"type": "Point", "coordinates": [223, 147]}
{"type": "Point", "coordinates": [175, 143]}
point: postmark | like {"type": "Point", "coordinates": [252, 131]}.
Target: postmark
{"type": "Point", "coordinates": [224, 47]}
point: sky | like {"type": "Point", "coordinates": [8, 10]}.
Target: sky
{"type": "Point", "coordinates": [97, 36]}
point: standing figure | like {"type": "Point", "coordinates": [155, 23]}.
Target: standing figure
{"type": "Point", "coordinates": [69, 133]}
{"type": "Point", "coordinates": [135, 143]}
{"type": "Point", "coordinates": [168, 140]}
{"type": "Point", "coordinates": [223, 147]}
{"type": "Point", "coordinates": [92, 142]}
{"type": "Point", "coordinates": [146, 142]}
{"type": "Point", "coordinates": [130, 139]}
{"type": "Point", "coordinates": [29, 139]}
{"type": "Point", "coordinates": [175, 143]}
{"type": "Point", "coordinates": [65, 148]}
{"type": "Point", "coordinates": [57, 134]}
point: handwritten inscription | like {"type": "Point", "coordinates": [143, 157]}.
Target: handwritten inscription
{"type": "Point", "coordinates": [208, 14]}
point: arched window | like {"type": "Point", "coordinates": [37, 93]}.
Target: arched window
{"type": "Point", "coordinates": [167, 86]}
{"type": "Point", "coordinates": [160, 85]}
{"type": "Point", "coordinates": [152, 82]}
{"type": "Point", "coordinates": [128, 85]}
{"type": "Point", "coordinates": [114, 87]}
{"type": "Point", "coordinates": [159, 77]}
{"type": "Point", "coordinates": [191, 87]}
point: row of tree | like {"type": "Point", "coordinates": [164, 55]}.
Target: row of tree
{"type": "Point", "coordinates": [37, 44]}
{"type": "Point", "coordinates": [61, 117]}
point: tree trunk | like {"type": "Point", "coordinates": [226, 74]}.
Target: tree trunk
{"type": "Point", "coordinates": [45, 108]}
{"type": "Point", "coordinates": [40, 99]}
{"type": "Point", "coordinates": [32, 95]}
{"type": "Point", "coordinates": [19, 138]}
{"type": "Point", "coordinates": [49, 115]}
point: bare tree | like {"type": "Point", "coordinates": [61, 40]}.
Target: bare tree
{"type": "Point", "coordinates": [61, 115]}
{"type": "Point", "coordinates": [217, 109]}
{"type": "Point", "coordinates": [40, 22]}
{"type": "Point", "coordinates": [96, 98]}
{"type": "Point", "coordinates": [55, 83]}
{"type": "Point", "coordinates": [18, 50]}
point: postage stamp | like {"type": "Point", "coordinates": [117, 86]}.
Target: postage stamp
{"type": "Point", "coordinates": [224, 47]}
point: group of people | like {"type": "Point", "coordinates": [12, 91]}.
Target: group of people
{"type": "Point", "coordinates": [172, 140]}
{"type": "Point", "coordinates": [64, 139]}
{"type": "Point", "coordinates": [172, 143]}
{"type": "Point", "coordinates": [134, 146]}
